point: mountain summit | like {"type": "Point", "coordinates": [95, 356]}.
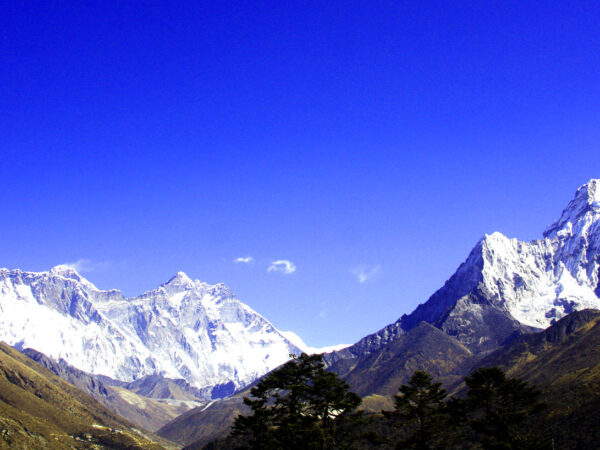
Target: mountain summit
{"type": "Point", "coordinates": [582, 211]}
{"type": "Point", "coordinates": [180, 278]}
{"type": "Point", "coordinates": [183, 329]}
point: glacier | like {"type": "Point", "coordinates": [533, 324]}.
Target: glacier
{"type": "Point", "coordinates": [184, 329]}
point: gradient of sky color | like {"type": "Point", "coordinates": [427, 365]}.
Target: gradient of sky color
{"type": "Point", "coordinates": [369, 144]}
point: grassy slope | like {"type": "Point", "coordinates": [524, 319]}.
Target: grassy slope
{"type": "Point", "coordinates": [39, 409]}
{"type": "Point", "coordinates": [202, 425]}
{"type": "Point", "coordinates": [149, 413]}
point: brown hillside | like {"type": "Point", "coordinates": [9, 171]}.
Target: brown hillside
{"type": "Point", "coordinates": [40, 410]}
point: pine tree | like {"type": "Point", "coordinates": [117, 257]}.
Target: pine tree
{"type": "Point", "coordinates": [421, 411]}
{"type": "Point", "coordinates": [255, 429]}
{"type": "Point", "coordinates": [498, 409]}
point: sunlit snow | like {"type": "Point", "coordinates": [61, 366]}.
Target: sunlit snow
{"type": "Point", "coordinates": [183, 329]}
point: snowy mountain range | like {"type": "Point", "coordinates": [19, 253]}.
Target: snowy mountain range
{"type": "Point", "coordinates": [184, 329]}
{"type": "Point", "coordinates": [190, 330]}
{"type": "Point", "coordinates": [507, 287]}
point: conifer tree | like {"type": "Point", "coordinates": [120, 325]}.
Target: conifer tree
{"type": "Point", "coordinates": [421, 411]}
{"type": "Point", "coordinates": [499, 408]}
{"type": "Point", "coordinates": [296, 406]}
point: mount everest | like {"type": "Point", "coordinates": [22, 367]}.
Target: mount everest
{"type": "Point", "coordinates": [183, 329]}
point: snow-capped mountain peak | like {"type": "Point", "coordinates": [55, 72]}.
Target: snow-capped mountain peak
{"type": "Point", "coordinates": [180, 278]}
{"type": "Point", "coordinates": [507, 286]}
{"type": "Point", "coordinates": [541, 281]}
{"type": "Point", "coordinates": [584, 209]}
{"type": "Point", "coordinates": [66, 271]}
{"type": "Point", "coordinates": [63, 269]}
{"type": "Point", "coordinates": [180, 282]}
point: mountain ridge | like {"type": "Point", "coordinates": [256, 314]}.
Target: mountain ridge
{"type": "Point", "coordinates": [182, 329]}
{"type": "Point", "coordinates": [148, 402]}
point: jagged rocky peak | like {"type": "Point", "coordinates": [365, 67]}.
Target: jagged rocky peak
{"type": "Point", "coordinates": [182, 283]}
{"type": "Point", "coordinates": [541, 281]}
{"type": "Point", "coordinates": [180, 278]}
{"type": "Point", "coordinates": [583, 210]}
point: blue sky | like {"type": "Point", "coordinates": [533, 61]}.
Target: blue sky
{"type": "Point", "coordinates": [361, 141]}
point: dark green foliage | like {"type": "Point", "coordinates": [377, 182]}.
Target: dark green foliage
{"type": "Point", "coordinates": [298, 406]}
{"type": "Point", "coordinates": [496, 414]}
{"type": "Point", "coordinates": [499, 409]}
{"type": "Point", "coordinates": [301, 406]}
{"type": "Point", "coordinates": [563, 361]}
{"type": "Point", "coordinates": [422, 413]}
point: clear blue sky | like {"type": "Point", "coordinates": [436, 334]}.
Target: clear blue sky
{"type": "Point", "coordinates": [387, 137]}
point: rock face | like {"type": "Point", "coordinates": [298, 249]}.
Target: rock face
{"type": "Point", "coordinates": [184, 329]}
{"type": "Point", "coordinates": [507, 287]}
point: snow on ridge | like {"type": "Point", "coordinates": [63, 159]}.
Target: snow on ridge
{"type": "Point", "coordinates": [541, 281]}
{"type": "Point", "coordinates": [182, 329]}
{"type": "Point", "coordinates": [585, 204]}
{"type": "Point", "coordinates": [298, 342]}
{"type": "Point", "coordinates": [594, 192]}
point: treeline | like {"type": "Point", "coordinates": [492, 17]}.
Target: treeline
{"type": "Point", "coordinates": [302, 406]}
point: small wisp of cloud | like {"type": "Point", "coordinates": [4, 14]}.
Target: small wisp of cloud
{"type": "Point", "coordinates": [282, 266]}
{"type": "Point", "coordinates": [244, 259]}
{"type": "Point", "coordinates": [84, 265]}
{"type": "Point", "coordinates": [365, 274]}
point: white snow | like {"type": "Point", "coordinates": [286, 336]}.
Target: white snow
{"type": "Point", "coordinates": [594, 188]}
{"type": "Point", "coordinates": [298, 342]}
{"type": "Point", "coordinates": [183, 329]}
{"type": "Point", "coordinates": [176, 299]}
{"type": "Point", "coordinates": [585, 205]}
{"type": "Point", "coordinates": [543, 280]}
